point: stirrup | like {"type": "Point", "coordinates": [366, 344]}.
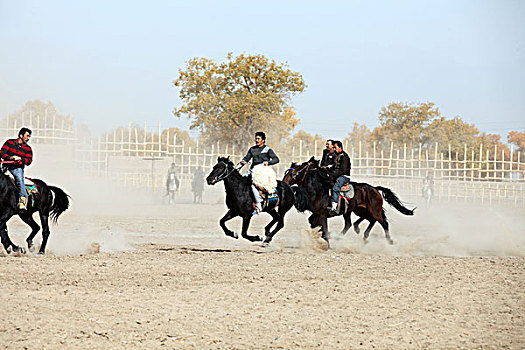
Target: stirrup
{"type": "Point", "coordinates": [22, 203]}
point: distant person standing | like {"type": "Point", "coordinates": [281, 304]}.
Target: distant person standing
{"type": "Point", "coordinates": [197, 185]}
{"type": "Point", "coordinates": [172, 183]}
{"type": "Point", "coordinates": [21, 155]}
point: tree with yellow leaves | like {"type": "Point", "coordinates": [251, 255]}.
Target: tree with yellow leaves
{"type": "Point", "coordinates": [230, 101]}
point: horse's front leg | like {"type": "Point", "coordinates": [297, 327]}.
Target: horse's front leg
{"type": "Point", "coordinates": [6, 241]}
{"type": "Point", "coordinates": [323, 220]}
{"type": "Point", "coordinates": [245, 224]}
{"type": "Point", "coordinates": [229, 215]}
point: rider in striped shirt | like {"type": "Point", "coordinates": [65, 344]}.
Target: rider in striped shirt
{"type": "Point", "coordinates": [19, 152]}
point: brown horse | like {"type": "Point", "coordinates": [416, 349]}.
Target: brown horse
{"type": "Point", "coordinates": [366, 203]}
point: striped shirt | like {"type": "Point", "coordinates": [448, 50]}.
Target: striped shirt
{"type": "Point", "coordinates": [12, 148]}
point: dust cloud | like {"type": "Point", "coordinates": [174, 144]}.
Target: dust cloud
{"type": "Point", "coordinates": [107, 217]}
{"type": "Point", "coordinates": [453, 229]}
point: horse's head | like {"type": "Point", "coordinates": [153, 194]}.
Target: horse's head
{"type": "Point", "coordinates": [296, 173]}
{"type": "Point", "coordinates": [220, 171]}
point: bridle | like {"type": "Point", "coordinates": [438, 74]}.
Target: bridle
{"type": "Point", "coordinates": [224, 174]}
{"type": "Point", "coordinates": [293, 175]}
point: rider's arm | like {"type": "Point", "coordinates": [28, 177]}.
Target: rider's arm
{"type": "Point", "coordinates": [27, 159]}
{"type": "Point", "coordinates": [3, 153]}
{"type": "Point", "coordinates": [247, 157]}
{"type": "Point", "coordinates": [273, 157]}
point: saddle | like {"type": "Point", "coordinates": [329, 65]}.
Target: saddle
{"type": "Point", "coordinates": [270, 200]}
{"type": "Point", "coordinates": [347, 193]}
{"type": "Point", "coordinates": [31, 187]}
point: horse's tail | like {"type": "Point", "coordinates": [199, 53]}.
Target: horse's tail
{"type": "Point", "coordinates": [60, 203]}
{"type": "Point", "coordinates": [302, 203]}
{"type": "Point", "coordinates": [392, 199]}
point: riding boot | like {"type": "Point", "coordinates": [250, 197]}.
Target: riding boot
{"type": "Point", "coordinates": [333, 208]}
{"type": "Point", "coordinates": [22, 203]}
{"type": "Point", "coordinates": [258, 209]}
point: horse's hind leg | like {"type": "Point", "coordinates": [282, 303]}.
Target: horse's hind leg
{"type": "Point", "coordinates": [356, 225]}
{"type": "Point", "coordinates": [245, 224]}
{"type": "Point", "coordinates": [44, 221]}
{"type": "Point", "coordinates": [229, 215]}
{"type": "Point", "coordinates": [384, 224]}
{"type": "Point", "coordinates": [28, 219]}
{"type": "Point", "coordinates": [368, 229]}
{"type": "Point", "coordinates": [348, 222]}
{"type": "Point", "coordinates": [277, 217]}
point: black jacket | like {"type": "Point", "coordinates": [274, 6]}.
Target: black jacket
{"type": "Point", "coordinates": [342, 165]}
{"type": "Point", "coordinates": [328, 159]}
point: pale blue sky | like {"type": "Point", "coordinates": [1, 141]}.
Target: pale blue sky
{"type": "Point", "coordinates": [110, 62]}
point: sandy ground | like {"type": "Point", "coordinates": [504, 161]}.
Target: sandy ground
{"type": "Point", "coordinates": [147, 275]}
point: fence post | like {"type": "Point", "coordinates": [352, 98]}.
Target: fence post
{"type": "Point", "coordinates": [480, 160]}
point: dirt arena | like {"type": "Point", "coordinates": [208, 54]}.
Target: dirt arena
{"type": "Point", "coordinates": [131, 272]}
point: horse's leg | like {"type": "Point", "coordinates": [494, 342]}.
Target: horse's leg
{"type": "Point", "coordinates": [356, 225]}
{"type": "Point", "coordinates": [348, 222]}
{"type": "Point", "coordinates": [44, 221]}
{"type": "Point", "coordinates": [267, 228]}
{"type": "Point", "coordinates": [277, 217]}
{"type": "Point", "coordinates": [229, 215]}
{"type": "Point", "coordinates": [9, 246]}
{"type": "Point", "coordinates": [384, 224]}
{"type": "Point", "coordinates": [27, 217]}
{"type": "Point", "coordinates": [245, 224]}
{"type": "Point", "coordinates": [324, 227]}
{"type": "Point", "coordinates": [368, 229]}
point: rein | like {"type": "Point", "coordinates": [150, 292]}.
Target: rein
{"type": "Point", "coordinates": [303, 176]}
{"type": "Point", "coordinates": [223, 176]}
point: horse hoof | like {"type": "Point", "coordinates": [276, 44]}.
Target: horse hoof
{"type": "Point", "coordinates": [232, 234]}
{"type": "Point", "coordinates": [9, 250]}
{"type": "Point", "coordinates": [31, 247]}
{"type": "Point", "coordinates": [265, 244]}
{"type": "Point", "coordinates": [390, 241]}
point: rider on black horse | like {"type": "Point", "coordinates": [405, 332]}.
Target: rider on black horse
{"type": "Point", "coordinates": [21, 154]}
{"type": "Point", "coordinates": [260, 154]}
{"type": "Point", "coordinates": [328, 159]}
{"type": "Point", "coordinates": [340, 174]}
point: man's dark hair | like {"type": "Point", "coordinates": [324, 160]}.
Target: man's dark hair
{"type": "Point", "coordinates": [261, 134]}
{"type": "Point", "coordinates": [331, 141]}
{"type": "Point", "coordinates": [338, 144]}
{"type": "Point", "coordinates": [23, 131]}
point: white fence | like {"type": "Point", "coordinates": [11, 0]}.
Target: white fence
{"type": "Point", "coordinates": [135, 158]}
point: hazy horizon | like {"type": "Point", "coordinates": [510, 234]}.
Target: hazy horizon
{"type": "Point", "coordinates": [107, 64]}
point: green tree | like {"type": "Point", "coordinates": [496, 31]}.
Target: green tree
{"type": "Point", "coordinates": [360, 133]}
{"type": "Point", "coordinates": [230, 101]}
{"type": "Point", "coordinates": [454, 131]}
{"type": "Point", "coordinates": [404, 123]}
{"type": "Point", "coordinates": [517, 138]}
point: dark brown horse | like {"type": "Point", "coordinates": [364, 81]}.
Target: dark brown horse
{"type": "Point", "coordinates": [367, 201]}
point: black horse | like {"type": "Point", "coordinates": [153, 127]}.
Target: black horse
{"type": "Point", "coordinates": [240, 199]}
{"type": "Point", "coordinates": [49, 202]}
{"type": "Point", "coordinates": [366, 203]}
